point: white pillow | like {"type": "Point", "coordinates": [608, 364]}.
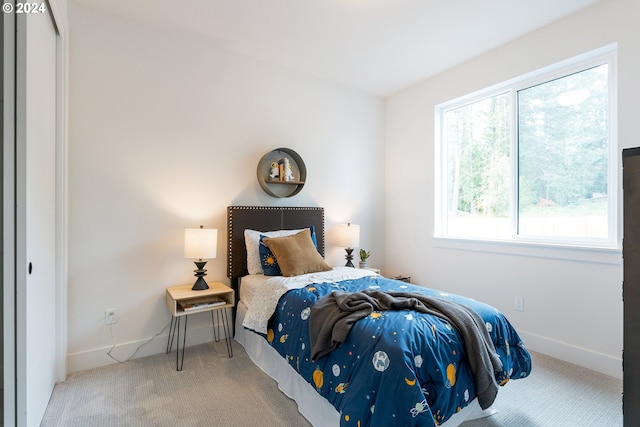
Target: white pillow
{"type": "Point", "coordinates": [252, 241]}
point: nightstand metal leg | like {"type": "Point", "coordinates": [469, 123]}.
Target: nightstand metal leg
{"type": "Point", "coordinates": [180, 361]}
{"type": "Point", "coordinates": [227, 331]}
{"type": "Point", "coordinates": [216, 332]}
{"type": "Point", "coordinates": [172, 331]}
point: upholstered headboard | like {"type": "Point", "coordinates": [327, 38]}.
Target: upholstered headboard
{"type": "Point", "coordinates": [265, 218]}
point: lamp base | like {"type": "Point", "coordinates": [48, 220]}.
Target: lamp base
{"type": "Point", "coordinates": [200, 284]}
{"type": "Point", "coordinates": [349, 257]}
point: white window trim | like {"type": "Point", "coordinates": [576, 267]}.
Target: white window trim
{"type": "Point", "coordinates": [592, 254]}
{"type": "Point", "coordinates": [601, 250]}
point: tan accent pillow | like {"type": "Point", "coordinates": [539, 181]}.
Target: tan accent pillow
{"type": "Point", "coordinates": [296, 254]}
{"type": "Point", "coordinates": [252, 242]}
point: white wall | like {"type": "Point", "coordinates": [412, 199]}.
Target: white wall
{"type": "Point", "coordinates": [166, 130]}
{"type": "Point", "coordinates": [573, 310]}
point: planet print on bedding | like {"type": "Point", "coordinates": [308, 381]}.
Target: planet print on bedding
{"type": "Point", "coordinates": [395, 367]}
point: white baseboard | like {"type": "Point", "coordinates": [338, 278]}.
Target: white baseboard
{"type": "Point", "coordinates": [98, 357]}
{"type": "Point", "coordinates": [599, 362]}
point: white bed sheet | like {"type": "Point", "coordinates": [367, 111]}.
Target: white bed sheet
{"type": "Point", "coordinates": [317, 410]}
{"type": "Point", "coordinates": [265, 291]}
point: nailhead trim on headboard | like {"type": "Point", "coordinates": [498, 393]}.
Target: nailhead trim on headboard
{"type": "Point", "coordinates": [255, 222]}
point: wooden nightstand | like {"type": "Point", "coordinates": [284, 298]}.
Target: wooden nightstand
{"type": "Point", "coordinates": [182, 301]}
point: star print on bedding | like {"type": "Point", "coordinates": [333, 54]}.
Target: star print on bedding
{"type": "Point", "coordinates": [396, 367]}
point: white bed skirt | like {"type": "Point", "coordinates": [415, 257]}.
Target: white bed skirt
{"type": "Point", "coordinates": [311, 405]}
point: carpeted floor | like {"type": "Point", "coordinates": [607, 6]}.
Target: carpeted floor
{"type": "Point", "coordinates": [211, 390]}
{"type": "Point", "coordinates": [214, 390]}
{"type": "Point", "coordinates": [557, 394]}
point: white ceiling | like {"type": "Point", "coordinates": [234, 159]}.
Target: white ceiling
{"type": "Point", "coordinates": [377, 46]}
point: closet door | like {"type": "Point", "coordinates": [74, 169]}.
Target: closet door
{"type": "Point", "coordinates": [35, 215]}
{"type": "Point", "coordinates": [631, 287]}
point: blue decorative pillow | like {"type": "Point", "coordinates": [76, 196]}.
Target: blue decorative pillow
{"type": "Point", "coordinates": [268, 260]}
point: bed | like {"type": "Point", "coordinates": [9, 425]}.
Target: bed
{"type": "Point", "coordinates": [400, 366]}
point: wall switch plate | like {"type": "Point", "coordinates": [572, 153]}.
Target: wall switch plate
{"type": "Point", "coordinates": [110, 316]}
{"type": "Point", "coordinates": [518, 304]}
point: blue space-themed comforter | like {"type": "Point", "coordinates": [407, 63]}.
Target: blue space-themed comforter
{"type": "Point", "coordinates": [396, 368]}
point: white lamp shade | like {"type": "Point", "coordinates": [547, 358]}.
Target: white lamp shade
{"type": "Point", "coordinates": [200, 243]}
{"type": "Point", "coordinates": [348, 236]}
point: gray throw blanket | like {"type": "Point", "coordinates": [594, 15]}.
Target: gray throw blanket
{"type": "Point", "coordinates": [333, 316]}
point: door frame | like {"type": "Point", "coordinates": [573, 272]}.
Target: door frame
{"type": "Point", "coordinates": [59, 18]}
{"type": "Point", "coordinates": [8, 219]}
{"type": "Point", "coordinates": [14, 34]}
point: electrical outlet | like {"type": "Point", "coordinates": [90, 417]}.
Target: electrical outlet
{"type": "Point", "coordinates": [110, 316]}
{"type": "Point", "coordinates": [518, 304]}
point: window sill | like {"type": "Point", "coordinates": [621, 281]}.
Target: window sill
{"type": "Point", "coordinates": [601, 255]}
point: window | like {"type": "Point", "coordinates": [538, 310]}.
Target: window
{"type": "Point", "coordinates": [534, 159]}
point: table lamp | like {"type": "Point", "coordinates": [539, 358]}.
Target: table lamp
{"type": "Point", "coordinates": [200, 244]}
{"type": "Point", "coordinates": [348, 237]}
